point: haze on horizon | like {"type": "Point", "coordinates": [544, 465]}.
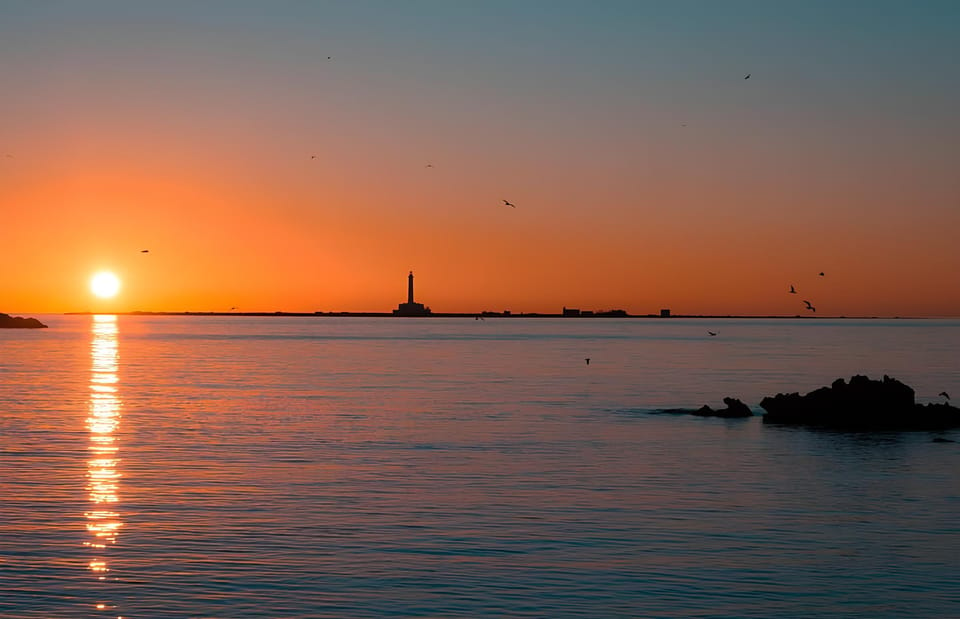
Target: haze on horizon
{"type": "Point", "coordinates": [645, 170]}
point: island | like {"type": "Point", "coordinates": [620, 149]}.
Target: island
{"type": "Point", "coordinates": [861, 404]}
{"type": "Point", "coordinates": [17, 322]}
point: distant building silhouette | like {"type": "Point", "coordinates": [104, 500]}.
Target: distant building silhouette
{"type": "Point", "coordinates": [664, 313]}
{"type": "Point", "coordinates": [411, 307]}
{"type": "Point", "coordinates": [570, 311]}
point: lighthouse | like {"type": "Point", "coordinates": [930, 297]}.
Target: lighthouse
{"type": "Point", "coordinates": [411, 307]}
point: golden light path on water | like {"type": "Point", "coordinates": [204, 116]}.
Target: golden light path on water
{"type": "Point", "coordinates": [103, 519]}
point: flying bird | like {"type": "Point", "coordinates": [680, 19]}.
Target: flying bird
{"type": "Point", "coordinates": [429, 165]}
{"type": "Point", "coordinates": [747, 77]}
{"type": "Point", "coordinates": [810, 307]}
{"type": "Point", "coordinates": [510, 204]}
{"type": "Point", "coordinates": [944, 394]}
{"type": "Point", "coordinates": [821, 273]}
{"type": "Point", "coordinates": [144, 251]}
{"type": "Point", "coordinates": [792, 290]}
{"type": "Point", "coordinates": [587, 360]}
{"type": "Point", "coordinates": [711, 332]}
{"type": "Point", "coordinates": [313, 156]}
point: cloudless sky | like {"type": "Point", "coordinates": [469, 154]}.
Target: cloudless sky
{"type": "Point", "coordinates": [647, 172]}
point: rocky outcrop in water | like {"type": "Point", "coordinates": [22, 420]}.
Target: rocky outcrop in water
{"type": "Point", "coordinates": [16, 322]}
{"type": "Point", "coordinates": [734, 409]}
{"type": "Point", "coordinates": [861, 404]}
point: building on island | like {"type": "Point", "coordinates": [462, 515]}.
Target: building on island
{"type": "Point", "coordinates": [411, 307]}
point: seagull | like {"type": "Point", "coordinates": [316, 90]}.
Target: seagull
{"type": "Point", "coordinates": [821, 273]}
{"type": "Point", "coordinates": [792, 290]}
{"type": "Point", "coordinates": [810, 307]}
{"type": "Point", "coordinates": [747, 77]}
{"type": "Point", "coordinates": [587, 360]}
{"type": "Point", "coordinates": [711, 332]}
{"type": "Point", "coordinates": [510, 204]}
{"type": "Point", "coordinates": [944, 394]}
{"type": "Point", "coordinates": [144, 251]}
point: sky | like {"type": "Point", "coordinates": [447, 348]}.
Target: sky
{"type": "Point", "coordinates": [647, 173]}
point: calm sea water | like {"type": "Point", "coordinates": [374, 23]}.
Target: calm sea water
{"type": "Point", "coordinates": [347, 467]}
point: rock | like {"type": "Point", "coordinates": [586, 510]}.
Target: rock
{"type": "Point", "coordinates": [16, 322]}
{"type": "Point", "coordinates": [861, 404]}
{"type": "Point", "coordinates": [735, 408]}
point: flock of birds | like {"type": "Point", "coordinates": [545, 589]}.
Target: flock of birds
{"type": "Point", "coordinates": [807, 303]}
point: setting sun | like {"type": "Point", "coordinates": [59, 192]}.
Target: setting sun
{"type": "Point", "coordinates": [105, 284]}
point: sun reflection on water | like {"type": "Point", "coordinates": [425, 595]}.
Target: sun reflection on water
{"type": "Point", "coordinates": [103, 475]}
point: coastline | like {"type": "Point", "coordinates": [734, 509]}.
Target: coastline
{"type": "Point", "coordinates": [487, 314]}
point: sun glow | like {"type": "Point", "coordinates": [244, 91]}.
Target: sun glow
{"type": "Point", "coordinates": [105, 284]}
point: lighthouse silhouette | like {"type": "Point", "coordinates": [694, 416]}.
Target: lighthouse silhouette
{"type": "Point", "coordinates": [411, 307]}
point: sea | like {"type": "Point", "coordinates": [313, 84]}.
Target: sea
{"type": "Point", "coordinates": [315, 467]}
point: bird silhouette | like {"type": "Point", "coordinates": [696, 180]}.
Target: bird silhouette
{"type": "Point", "coordinates": [821, 273]}
{"type": "Point", "coordinates": [711, 332]}
{"type": "Point", "coordinates": [510, 204]}
{"type": "Point", "coordinates": [144, 251]}
{"type": "Point", "coordinates": [587, 360]}
{"type": "Point", "coordinates": [747, 77]}
{"type": "Point", "coordinates": [944, 394]}
{"type": "Point", "coordinates": [792, 290]}
{"type": "Point", "coordinates": [313, 156]}
{"type": "Point", "coordinates": [810, 307]}
{"type": "Point", "coordinates": [429, 165]}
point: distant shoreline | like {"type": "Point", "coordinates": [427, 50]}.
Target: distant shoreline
{"type": "Point", "coordinates": [485, 315]}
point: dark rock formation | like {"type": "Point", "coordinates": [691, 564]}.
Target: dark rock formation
{"type": "Point", "coordinates": [861, 404]}
{"type": "Point", "coordinates": [735, 408]}
{"type": "Point", "coordinates": [16, 322]}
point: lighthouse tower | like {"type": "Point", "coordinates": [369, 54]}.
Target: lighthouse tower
{"type": "Point", "coordinates": [411, 307]}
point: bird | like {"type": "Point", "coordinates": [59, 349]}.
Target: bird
{"type": "Point", "coordinates": [144, 251]}
{"type": "Point", "coordinates": [313, 156]}
{"type": "Point", "coordinates": [711, 332]}
{"type": "Point", "coordinates": [821, 273]}
{"type": "Point", "coordinates": [510, 204]}
{"type": "Point", "coordinates": [792, 289]}
{"type": "Point", "coordinates": [944, 394]}
{"type": "Point", "coordinates": [429, 165]}
{"type": "Point", "coordinates": [587, 359]}
{"type": "Point", "coordinates": [747, 77]}
{"type": "Point", "coordinates": [810, 307]}
{"type": "Point", "coordinates": [233, 308]}
{"type": "Point", "coordinates": [329, 57]}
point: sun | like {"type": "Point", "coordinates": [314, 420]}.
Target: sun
{"type": "Point", "coordinates": [105, 284]}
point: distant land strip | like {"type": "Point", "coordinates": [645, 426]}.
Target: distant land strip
{"type": "Point", "coordinates": [489, 314]}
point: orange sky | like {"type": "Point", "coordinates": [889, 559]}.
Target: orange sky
{"type": "Point", "coordinates": [646, 174]}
